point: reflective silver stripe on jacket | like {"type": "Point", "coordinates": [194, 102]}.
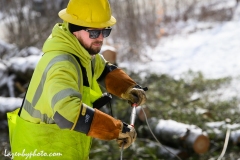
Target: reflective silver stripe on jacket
{"type": "Point", "coordinates": [36, 113]}
{"type": "Point", "coordinates": [64, 93]}
{"type": "Point", "coordinates": [61, 121]}
{"type": "Point", "coordinates": [58, 96]}
{"type": "Point", "coordinates": [60, 58]}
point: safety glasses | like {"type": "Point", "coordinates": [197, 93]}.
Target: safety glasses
{"type": "Point", "coordinates": [94, 33]}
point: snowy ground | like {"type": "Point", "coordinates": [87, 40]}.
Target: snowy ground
{"type": "Point", "coordinates": [215, 52]}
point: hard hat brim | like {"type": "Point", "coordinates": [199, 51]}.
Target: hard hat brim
{"type": "Point", "coordinates": [75, 20]}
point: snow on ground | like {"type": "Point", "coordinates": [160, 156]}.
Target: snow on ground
{"type": "Point", "coordinates": [215, 52]}
{"type": "Point", "coordinates": [21, 64]}
{"type": "Point", "coordinates": [9, 103]}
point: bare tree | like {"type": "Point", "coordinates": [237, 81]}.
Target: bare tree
{"type": "Point", "coordinates": [27, 26]}
{"type": "Point", "coordinates": [136, 27]}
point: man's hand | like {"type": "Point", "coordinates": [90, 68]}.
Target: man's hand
{"type": "Point", "coordinates": [135, 95]}
{"type": "Point", "coordinates": [127, 136]}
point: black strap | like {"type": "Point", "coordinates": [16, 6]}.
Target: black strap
{"type": "Point", "coordinates": [100, 102]}
{"type": "Point", "coordinates": [84, 72]}
{"type": "Point", "coordinates": [19, 113]}
{"type": "Point", "coordinates": [106, 97]}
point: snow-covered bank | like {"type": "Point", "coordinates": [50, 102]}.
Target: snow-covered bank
{"type": "Point", "coordinates": [215, 52]}
{"type": "Point", "coordinates": [9, 103]}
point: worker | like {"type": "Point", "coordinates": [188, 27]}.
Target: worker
{"type": "Point", "coordinates": [57, 115]}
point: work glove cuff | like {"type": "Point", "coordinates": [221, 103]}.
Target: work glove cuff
{"type": "Point", "coordinates": [135, 95]}
{"type": "Point", "coordinates": [125, 128]}
{"type": "Point", "coordinates": [126, 136]}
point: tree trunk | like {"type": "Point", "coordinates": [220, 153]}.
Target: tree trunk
{"type": "Point", "coordinates": [172, 153]}
{"type": "Point", "coordinates": [179, 135]}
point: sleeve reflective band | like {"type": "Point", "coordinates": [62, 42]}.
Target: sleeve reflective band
{"type": "Point", "coordinates": [85, 119]}
{"type": "Point", "coordinates": [61, 121]}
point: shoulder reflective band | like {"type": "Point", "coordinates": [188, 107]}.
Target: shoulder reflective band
{"type": "Point", "coordinates": [62, 57]}
{"type": "Point", "coordinates": [85, 119]}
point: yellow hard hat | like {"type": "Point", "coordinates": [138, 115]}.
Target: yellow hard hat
{"type": "Point", "coordinates": [88, 13]}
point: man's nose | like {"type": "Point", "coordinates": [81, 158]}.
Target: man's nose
{"type": "Point", "coordinates": [100, 36]}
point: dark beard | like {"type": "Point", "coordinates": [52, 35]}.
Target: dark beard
{"type": "Point", "coordinates": [90, 50]}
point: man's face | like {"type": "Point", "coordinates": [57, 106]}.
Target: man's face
{"type": "Point", "coordinates": [93, 46]}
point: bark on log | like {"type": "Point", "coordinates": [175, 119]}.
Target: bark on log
{"type": "Point", "coordinates": [179, 135]}
{"type": "Point", "coordinates": [109, 53]}
{"type": "Point", "coordinates": [110, 56]}
{"type": "Point", "coordinates": [172, 153]}
{"type": "Point", "coordinates": [166, 152]}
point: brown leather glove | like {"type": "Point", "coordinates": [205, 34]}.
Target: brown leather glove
{"type": "Point", "coordinates": [104, 126]}
{"type": "Point", "coordinates": [126, 136]}
{"type": "Point", "coordinates": [135, 95]}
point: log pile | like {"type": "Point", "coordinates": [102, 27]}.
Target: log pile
{"type": "Point", "coordinates": [16, 69]}
{"type": "Point", "coordinates": [182, 140]}
{"type": "Point", "coordinates": [177, 139]}
{"type": "Point", "coordinates": [171, 153]}
{"type": "Point", "coordinates": [180, 136]}
{"type": "Point", "coordinates": [16, 72]}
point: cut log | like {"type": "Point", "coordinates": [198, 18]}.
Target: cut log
{"type": "Point", "coordinates": [109, 53]}
{"type": "Point", "coordinates": [197, 140]}
{"type": "Point", "coordinates": [166, 152]}
{"type": "Point", "coordinates": [179, 135]}
{"type": "Point", "coordinates": [171, 153]}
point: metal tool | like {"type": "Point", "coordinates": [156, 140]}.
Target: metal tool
{"type": "Point", "coordinates": [133, 114]}
{"type": "Point", "coordinates": [134, 111]}
{"type": "Point", "coordinates": [132, 121]}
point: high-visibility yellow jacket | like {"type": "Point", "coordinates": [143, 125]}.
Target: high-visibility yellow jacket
{"type": "Point", "coordinates": [49, 120]}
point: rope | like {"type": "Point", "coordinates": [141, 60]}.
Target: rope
{"type": "Point", "coordinates": [225, 144]}
{"type": "Point", "coordinates": [156, 137]}
{"type": "Point", "coordinates": [159, 144]}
